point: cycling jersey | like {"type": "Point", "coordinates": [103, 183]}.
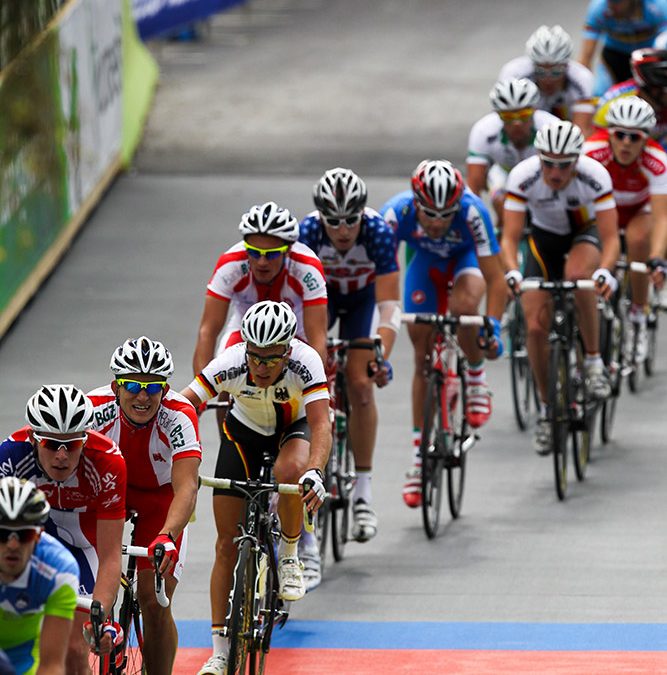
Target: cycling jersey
{"type": "Point", "coordinates": [634, 184]}
{"type": "Point", "coordinates": [269, 410]}
{"type": "Point", "coordinates": [626, 34]}
{"type": "Point", "coordinates": [374, 252]}
{"type": "Point", "coordinates": [560, 211]}
{"type": "Point", "coordinates": [300, 283]}
{"type": "Point", "coordinates": [489, 144]}
{"type": "Point", "coordinates": [47, 587]}
{"type": "Point", "coordinates": [576, 96]}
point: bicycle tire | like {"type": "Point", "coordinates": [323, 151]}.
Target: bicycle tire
{"type": "Point", "coordinates": [324, 516]}
{"type": "Point", "coordinates": [343, 480]}
{"type": "Point", "coordinates": [456, 461]}
{"type": "Point", "coordinates": [652, 347]}
{"type": "Point", "coordinates": [582, 411]}
{"type": "Point", "coordinates": [431, 451]}
{"type": "Point", "coordinates": [521, 375]}
{"type": "Point", "coordinates": [129, 618]}
{"type": "Point", "coordinates": [267, 613]}
{"type": "Point", "coordinates": [612, 353]}
{"type": "Point", "coordinates": [633, 375]}
{"type": "Point", "coordinates": [240, 618]}
{"type": "Point", "coordinates": [559, 414]}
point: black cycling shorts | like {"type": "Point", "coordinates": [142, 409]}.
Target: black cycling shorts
{"type": "Point", "coordinates": [240, 454]}
{"type": "Point", "coordinates": [547, 251]}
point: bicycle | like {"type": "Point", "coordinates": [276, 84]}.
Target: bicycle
{"type": "Point", "coordinates": [254, 607]}
{"type": "Point", "coordinates": [340, 474]}
{"type": "Point", "coordinates": [445, 438]}
{"type": "Point", "coordinates": [570, 409]}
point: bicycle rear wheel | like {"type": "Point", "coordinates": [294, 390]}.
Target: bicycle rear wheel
{"type": "Point", "coordinates": [455, 461]}
{"type": "Point", "coordinates": [522, 380]}
{"type": "Point", "coordinates": [559, 414]}
{"type": "Point", "coordinates": [582, 410]}
{"type": "Point", "coordinates": [241, 614]}
{"type": "Point", "coordinates": [431, 451]}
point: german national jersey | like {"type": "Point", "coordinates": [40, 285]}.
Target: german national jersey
{"type": "Point", "coordinates": [576, 96]}
{"type": "Point", "coordinates": [47, 587]}
{"type": "Point", "coordinates": [633, 184]}
{"type": "Point", "coordinates": [470, 230]}
{"type": "Point", "coordinates": [489, 144]}
{"type": "Point", "coordinates": [149, 450]}
{"type": "Point", "coordinates": [560, 211]}
{"type": "Point", "coordinates": [95, 491]}
{"type": "Point", "coordinates": [373, 254]}
{"type": "Point", "coordinates": [265, 410]}
{"type": "Point", "coordinates": [300, 283]}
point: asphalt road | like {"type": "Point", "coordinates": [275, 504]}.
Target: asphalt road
{"type": "Point", "coordinates": [280, 92]}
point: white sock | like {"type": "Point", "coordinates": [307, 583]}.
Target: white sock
{"type": "Point", "coordinates": [220, 643]}
{"type": "Point", "coordinates": [475, 374]}
{"type": "Point", "coordinates": [288, 546]}
{"type": "Point", "coordinates": [416, 442]}
{"type": "Point", "coordinates": [362, 488]}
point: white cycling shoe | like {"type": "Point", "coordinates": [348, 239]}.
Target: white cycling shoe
{"type": "Point", "coordinates": [290, 579]}
{"type": "Point", "coordinates": [216, 665]}
{"type": "Point", "coordinates": [365, 525]}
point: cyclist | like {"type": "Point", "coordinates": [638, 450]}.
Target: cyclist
{"type": "Point", "coordinates": [83, 476]}
{"type": "Point", "coordinates": [638, 168]}
{"type": "Point", "coordinates": [501, 139]}
{"type": "Point", "coordinates": [450, 229]}
{"type": "Point", "coordinates": [649, 81]}
{"type": "Point", "coordinates": [280, 404]}
{"type": "Point", "coordinates": [623, 26]}
{"type": "Point", "coordinates": [574, 235]}
{"type": "Point", "coordinates": [39, 579]}
{"type": "Point", "coordinates": [157, 431]}
{"type": "Point", "coordinates": [358, 252]}
{"type": "Point", "coordinates": [566, 86]}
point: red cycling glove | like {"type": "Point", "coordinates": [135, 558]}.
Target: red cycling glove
{"type": "Point", "coordinates": [170, 551]}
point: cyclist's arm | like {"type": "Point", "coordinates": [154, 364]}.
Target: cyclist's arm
{"type": "Point", "coordinates": [387, 290]}
{"type": "Point", "coordinates": [513, 226]}
{"type": "Point", "coordinates": [584, 120]}
{"type": "Point", "coordinates": [476, 175]}
{"type": "Point", "coordinates": [109, 542]}
{"type": "Point", "coordinates": [659, 230]}
{"type": "Point", "coordinates": [607, 223]}
{"type": "Point", "coordinates": [315, 326]}
{"type": "Point", "coordinates": [212, 322]}
{"type": "Point", "coordinates": [184, 474]}
{"type": "Point", "coordinates": [317, 415]}
{"type": "Point", "coordinates": [587, 52]}
{"type": "Point", "coordinates": [496, 288]}
{"type": "Point", "coordinates": [53, 642]}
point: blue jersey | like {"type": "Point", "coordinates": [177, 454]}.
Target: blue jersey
{"type": "Point", "coordinates": [626, 35]}
{"type": "Point", "coordinates": [471, 230]}
{"type": "Point", "coordinates": [47, 587]}
{"type": "Point", "coordinates": [373, 253]}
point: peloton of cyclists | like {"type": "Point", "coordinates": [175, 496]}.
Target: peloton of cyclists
{"type": "Point", "coordinates": [83, 476]}
{"type": "Point", "coordinates": [358, 253]}
{"type": "Point", "coordinates": [450, 230]}
{"type": "Point", "coordinates": [280, 404]}
{"type": "Point", "coordinates": [574, 235]}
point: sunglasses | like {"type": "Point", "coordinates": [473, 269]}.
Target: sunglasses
{"type": "Point", "coordinates": [551, 163]}
{"type": "Point", "coordinates": [349, 221]}
{"type": "Point", "coordinates": [269, 361]}
{"type": "Point", "coordinates": [54, 444]}
{"type": "Point", "coordinates": [555, 71]}
{"type": "Point", "coordinates": [268, 253]}
{"type": "Point", "coordinates": [516, 115]}
{"type": "Point", "coordinates": [632, 136]}
{"type": "Point", "coordinates": [134, 387]}
{"type": "Point", "coordinates": [432, 213]}
{"type": "Point", "coordinates": [24, 535]}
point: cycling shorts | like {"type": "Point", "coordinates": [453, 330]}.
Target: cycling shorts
{"type": "Point", "coordinates": [617, 63]}
{"type": "Point", "coordinates": [546, 254]}
{"type": "Point", "coordinates": [627, 213]}
{"type": "Point", "coordinates": [240, 454]}
{"type": "Point", "coordinates": [152, 507]}
{"type": "Point", "coordinates": [427, 278]}
{"type": "Point", "coordinates": [356, 312]}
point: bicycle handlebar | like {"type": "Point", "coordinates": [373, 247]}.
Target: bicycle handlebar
{"type": "Point", "coordinates": [442, 320]}
{"type": "Point", "coordinates": [640, 267]}
{"type": "Point", "coordinates": [543, 285]}
{"type": "Point", "coordinates": [142, 552]}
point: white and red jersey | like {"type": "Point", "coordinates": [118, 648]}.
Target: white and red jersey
{"type": "Point", "coordinates": [149, 450]}
{"type": "Point", "coordinates": [95, 491]}
{"type": "Point", "coordinates": [300, 283]}
{"type": "Point", "coordinates": [633, 184]}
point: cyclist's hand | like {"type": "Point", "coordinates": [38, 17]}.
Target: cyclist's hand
{"type": "Point", "coordinates": [170, 552]}
{"type": "Point", "coordinates": [382, 375]}
{"type": "Point", "coordinates": [112, 636]}
{"type": "Point", "coordinates": [312, 489]}
{"type": "Point", "coordinates": [201, 408]}
{"type": "Point", "coordinates": [606, 282]}
{"type": "Point", "coordinates": [514, 279]}
{"type": "Point", "coordinates": [658, 271]}
{"type": "Point", "coordinates": [493, 347]}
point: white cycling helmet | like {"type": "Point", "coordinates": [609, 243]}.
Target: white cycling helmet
{"type": "Point", "coordinates": [340, 193]}
{"type": "Point", "coordinates": [559, 138]}
{"type": "Point", "coordinates": [269, 218]}
{"type": "Point", "coordinates": [22, 504]}
{"type": "Point", "coordinates": [268, 323]}
{"type": "Point", "coordinates": [631, 112]}
{"type": "Point", "coordinates": [59, 409]}
{"type": "Point", "coordinates": [142, 356]}
{"type": "Point", "coordinates": [514, 94]}
{"type": "Point", "coordinates": [437, 184]}
{"type": "Point", "coordinates": [549, 45]}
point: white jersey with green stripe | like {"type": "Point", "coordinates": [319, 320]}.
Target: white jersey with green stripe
{"type": "Point", "coordinates": [47, 587]}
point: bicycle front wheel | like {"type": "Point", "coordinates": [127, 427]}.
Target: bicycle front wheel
{"type": "Point", "coordinates": [652, 330]}
{"type": "Point", "coordinates": [432, 458]}
{"type": "Point", "coordinates": [240, 627]}
{"type": "Point", "coordinates": [455, 459]}
{"type": "Point", "coordinates": [582, 412]}
{"type": "Point", "coordinates": [612, 353]}
{"type": "Point", "coordinates": [129, 618]}
{"type": "Point", "coordinates": [559, 413]}
{"type": "Point", "coordinates": [522, 380]}
{"type": "Point", "coordinates": [324, 515]}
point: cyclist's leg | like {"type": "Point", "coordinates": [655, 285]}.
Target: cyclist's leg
{"type": "Point", "coordinates": [637, 238]}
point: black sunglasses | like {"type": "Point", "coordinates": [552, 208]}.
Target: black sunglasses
{"type": "Point", "coordinates": [632, 136]}
{"type": "Point", "coordinates": [25, 534]}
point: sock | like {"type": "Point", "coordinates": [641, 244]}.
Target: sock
{"type": "Point", "coordinates": [416, 442]}
{"type": "Point", "coordinates": [637, 314]}
{"type": "Point", "coordinates": [475, 373]}
{"type": "Point", "coordinates": [362, 488]}
{"type": "Point", "coordinates": [288, 546]}
{"type": "Point", "coordinates": [543, 409]}
{"type": "Point", "coordinates": [220, 643]}
{"type": "Point", "coordinates": [593, 360]}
